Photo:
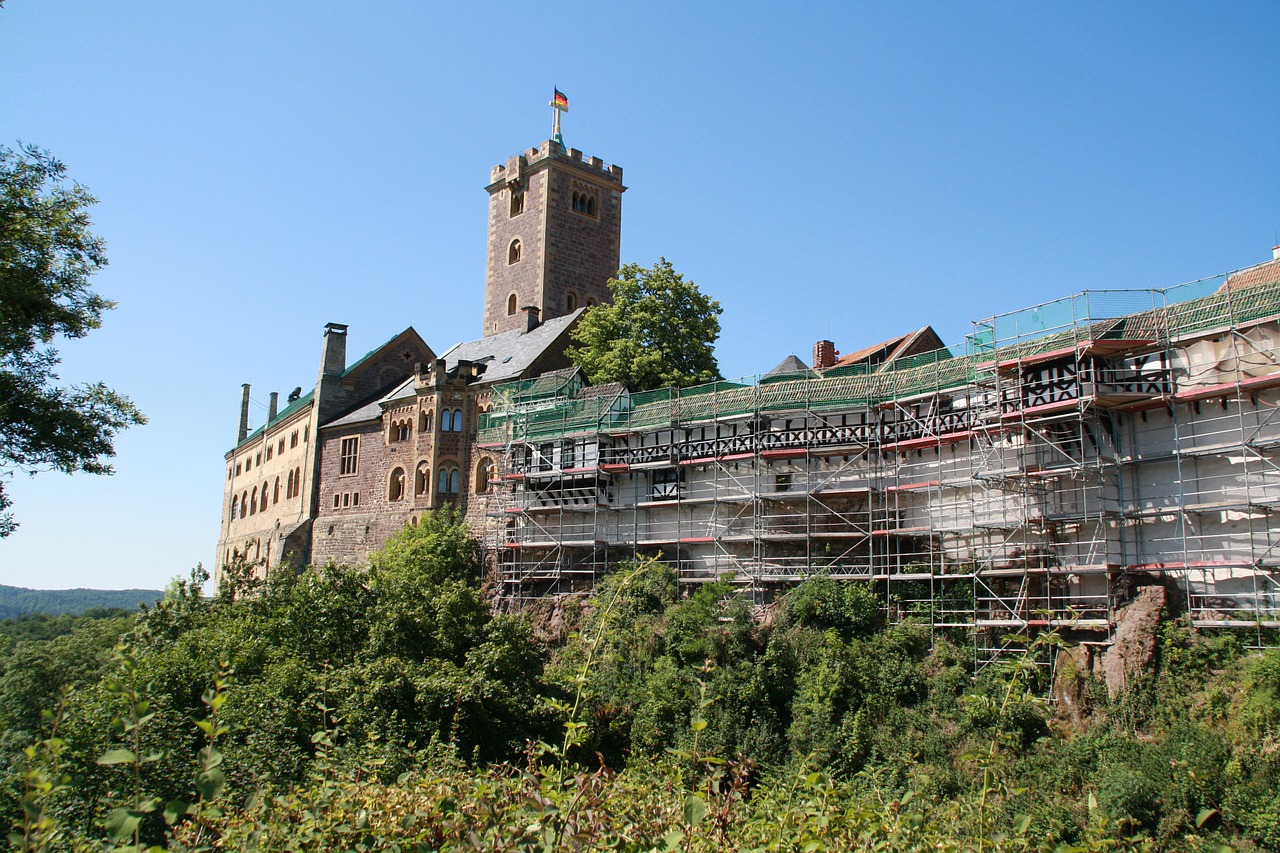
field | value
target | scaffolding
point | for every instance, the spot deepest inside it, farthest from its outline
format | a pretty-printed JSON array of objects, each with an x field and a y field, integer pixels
[{"x": 1024, "y": 479}]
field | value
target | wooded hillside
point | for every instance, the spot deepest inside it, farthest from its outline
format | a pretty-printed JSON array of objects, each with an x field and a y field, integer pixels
[{"x": 388, "y": 709}]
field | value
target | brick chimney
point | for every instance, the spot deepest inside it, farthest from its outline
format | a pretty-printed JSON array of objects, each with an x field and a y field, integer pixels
[
  {"x": 273, "y": 406},
  {"x": 335, "y": 350},
  {"x": 824, "y": 355},
  {"x": 531, "y": 313}
]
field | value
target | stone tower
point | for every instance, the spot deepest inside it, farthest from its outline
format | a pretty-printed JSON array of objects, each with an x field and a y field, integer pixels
[{"x": 555, "y": 220}]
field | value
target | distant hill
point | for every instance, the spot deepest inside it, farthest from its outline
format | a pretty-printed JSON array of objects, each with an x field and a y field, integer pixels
[{"x": 16, "y": 600}]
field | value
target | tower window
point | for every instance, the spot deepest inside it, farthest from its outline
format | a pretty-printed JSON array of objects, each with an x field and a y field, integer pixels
[
  {"x": 584, "y": 202},
  {"x": 511, "y": 305},
  {"x": 513, "y": 254},
  {"x": 517, "y": 203},
  {"x": 571, "y": 301}
]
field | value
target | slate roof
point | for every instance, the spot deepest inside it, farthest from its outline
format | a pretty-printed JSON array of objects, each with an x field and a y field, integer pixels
[
  {"x": 509, "y": 354},
  {"x": 372, "y": 410},
  {"x": 506, "y": 356},
  {"x": 788, "y": 366}
]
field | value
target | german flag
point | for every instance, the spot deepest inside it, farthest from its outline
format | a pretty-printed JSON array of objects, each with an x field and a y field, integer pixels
[{"x": 560, "y": 102}]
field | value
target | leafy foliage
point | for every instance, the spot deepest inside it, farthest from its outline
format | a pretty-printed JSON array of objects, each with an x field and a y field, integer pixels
[
  {"x": 47, "y": 255},
  {"x": 659, "y": 331},
  {"x": 387, "y": 708}
]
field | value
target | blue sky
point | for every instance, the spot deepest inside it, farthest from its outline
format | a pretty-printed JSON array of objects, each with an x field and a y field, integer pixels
[{"x": 838, "y": 170}]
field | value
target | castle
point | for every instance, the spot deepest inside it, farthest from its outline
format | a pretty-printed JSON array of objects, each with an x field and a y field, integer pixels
[
  {"x": 379, "y": 441},
  {"x": 1033, "y": 475}
]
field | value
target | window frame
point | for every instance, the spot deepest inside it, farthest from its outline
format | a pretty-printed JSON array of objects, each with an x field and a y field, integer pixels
[{"x": 349, "y": 461}]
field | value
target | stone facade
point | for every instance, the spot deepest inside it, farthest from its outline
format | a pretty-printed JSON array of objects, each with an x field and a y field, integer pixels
[{"x": 555, "y": 225}]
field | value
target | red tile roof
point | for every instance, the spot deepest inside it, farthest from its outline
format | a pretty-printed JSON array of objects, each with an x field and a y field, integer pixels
[
  {"x": 1264, "y": 273},
  {"x": 924, "y": 339}
]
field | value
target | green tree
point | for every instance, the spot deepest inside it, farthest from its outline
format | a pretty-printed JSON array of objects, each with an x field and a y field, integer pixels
[
  {"x": 47, "y": 254},
  {"x": 658, "y": 332}
]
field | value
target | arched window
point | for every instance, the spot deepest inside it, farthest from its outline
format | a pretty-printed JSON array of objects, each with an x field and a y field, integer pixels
[
  {"x": 235, "y": 507},
  {"x": 422, "y": 479},
  {"x": 591, "y": 300},
  {"x": 297, "y": 482},
  {"x": 244, "y": 503},
  {"x": 446, "y": 420},
  {"x": 513, "y": 254},
  {"x": 571, "y": 301},
  {"x": 454, "y": 481},
  {"x": 457, "y": 420},
  {"x": 275, "y": 492},
  {"x": 483, "y": 472},
  {"x": 517, "y": 203},
  {"x": 443, "y": 486},
  {"x": 511, "y": 305},
  {"x": 591, "y": 206},
  {"x": 426, "y": 421},
  {"x": 253, "y": 502},
  {"x": 395, "y": 489},
  {"x": 263, "y": 507},
  {"x": 288, "y": 487}
]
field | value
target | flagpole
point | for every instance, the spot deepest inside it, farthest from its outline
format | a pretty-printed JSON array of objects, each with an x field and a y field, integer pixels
[{"x": 555, "y": 124}]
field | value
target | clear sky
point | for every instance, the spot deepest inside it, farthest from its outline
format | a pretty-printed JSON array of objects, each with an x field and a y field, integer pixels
[{"x": 841, "y": 170}]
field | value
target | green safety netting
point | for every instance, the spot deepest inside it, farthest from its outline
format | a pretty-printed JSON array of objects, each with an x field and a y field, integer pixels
[{"x": 1138, "y": 315}]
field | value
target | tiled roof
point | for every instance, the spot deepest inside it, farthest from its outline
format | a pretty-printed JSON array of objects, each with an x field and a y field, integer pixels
[
  {"x": 1264, "y": 273},
  {"x": 894, "y": 348},
  {"x": 608, "y": 389}
]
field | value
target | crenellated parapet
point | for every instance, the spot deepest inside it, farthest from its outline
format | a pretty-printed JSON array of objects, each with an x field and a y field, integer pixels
[{"x": 514, "y": 171}]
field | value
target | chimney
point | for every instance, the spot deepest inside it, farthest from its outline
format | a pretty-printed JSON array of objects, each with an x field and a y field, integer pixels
[
  {"x": 531, "y": 313},
  {"x": 335, "y": 349},
  {"x": 244, "y": 413},
  {"x": 439, "y": 373},
  {"x": 1275, "y": 253},
  {"x": 273, "y": 406},
  {"x": 824, "y": 355}
]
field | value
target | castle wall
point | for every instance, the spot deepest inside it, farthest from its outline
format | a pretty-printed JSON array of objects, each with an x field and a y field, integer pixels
[
  {"x": 274, "y": 462},
  {"x": 357, "y": 513}
]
